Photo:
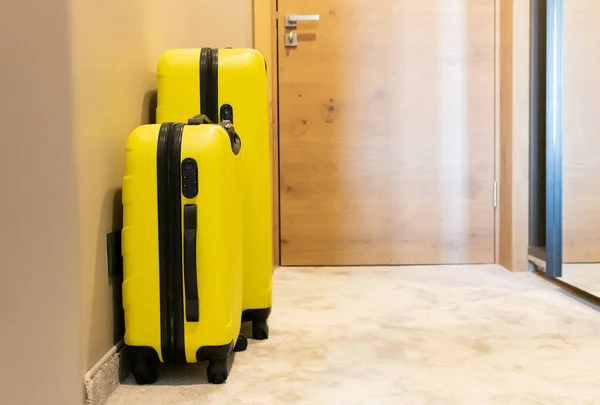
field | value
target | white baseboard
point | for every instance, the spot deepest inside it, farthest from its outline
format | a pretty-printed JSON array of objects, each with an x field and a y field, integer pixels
[{"x": 104, "y": 378}]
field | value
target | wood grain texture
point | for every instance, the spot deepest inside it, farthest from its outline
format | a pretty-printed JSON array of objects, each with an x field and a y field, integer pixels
[
  {"x": 513, "y": 120},
  {"x": 265, "y": 41},
  {"x": 581, "y": 140},
  {"x": 387, "y": 133},
  {"x": 497, "y": 39},
  {"x": 505, "y": 89},
  {"x": 520, "y": 137}
]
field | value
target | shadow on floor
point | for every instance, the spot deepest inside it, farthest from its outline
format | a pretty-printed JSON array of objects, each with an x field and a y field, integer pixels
[
  {"x": 182, "y": 374},
  {"x": 574, "y": 293}
]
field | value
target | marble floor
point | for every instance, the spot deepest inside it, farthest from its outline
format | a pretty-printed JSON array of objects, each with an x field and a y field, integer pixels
[{"x": 405, "y": 335}]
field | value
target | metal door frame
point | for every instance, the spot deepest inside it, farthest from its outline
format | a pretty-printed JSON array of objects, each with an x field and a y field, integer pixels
[{"x": 546, "y": 132}]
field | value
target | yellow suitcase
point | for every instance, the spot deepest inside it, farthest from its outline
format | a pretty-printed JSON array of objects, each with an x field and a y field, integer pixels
[
  {"x": 231, "y": 84},
  {"x": 182, "y": 243}
]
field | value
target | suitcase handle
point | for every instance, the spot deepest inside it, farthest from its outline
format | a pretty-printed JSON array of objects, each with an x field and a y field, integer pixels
[
  {"x": 190, "y": 225},
  {"x": 234, "y": 138},
  {"x": 199, "y": 120}
]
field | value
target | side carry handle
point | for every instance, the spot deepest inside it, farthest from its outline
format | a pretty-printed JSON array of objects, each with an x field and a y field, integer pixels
[
  {"x": 199, "y": 120},
  {"x": 190, "y": 225},
  {"x": 234, "y": 138}
]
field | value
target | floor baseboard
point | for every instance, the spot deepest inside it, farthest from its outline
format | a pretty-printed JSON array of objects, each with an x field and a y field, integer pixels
[{"x": 104, "y": 378}]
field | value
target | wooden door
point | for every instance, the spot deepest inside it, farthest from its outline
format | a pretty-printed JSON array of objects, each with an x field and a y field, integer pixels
[
  {"x": 387, "y": 132},
  {"x": 581, "y": 132}
]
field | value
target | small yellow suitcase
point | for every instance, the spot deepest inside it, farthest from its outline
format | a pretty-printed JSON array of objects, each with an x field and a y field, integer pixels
[
  {"x": 182, "y": 245},
  {"x": 231, "y": 84}
]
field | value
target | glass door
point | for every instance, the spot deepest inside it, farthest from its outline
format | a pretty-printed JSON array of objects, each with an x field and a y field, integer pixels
[
  {"x": 581, "y": 145},
  {"x": 565, "y": 141}
]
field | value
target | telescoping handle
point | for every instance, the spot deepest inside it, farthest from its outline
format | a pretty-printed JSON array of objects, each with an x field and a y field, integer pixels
[{"x": 190, "y": 225}]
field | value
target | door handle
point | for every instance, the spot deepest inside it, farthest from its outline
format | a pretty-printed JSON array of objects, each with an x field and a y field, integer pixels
[{"x": 291, "y": 20}]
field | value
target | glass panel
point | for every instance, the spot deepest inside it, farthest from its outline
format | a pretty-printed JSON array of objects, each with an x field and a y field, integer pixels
[{"x": 581, "y": 145}]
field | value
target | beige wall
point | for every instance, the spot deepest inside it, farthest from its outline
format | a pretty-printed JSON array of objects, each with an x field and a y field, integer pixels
[
  {"x": 193, "y": 23},
  {"x": 39, "y": 271},
  {"x": 76, "y": 81},
  {"x": 116, "y": 46},
  {"x": 110, "y": 82}
]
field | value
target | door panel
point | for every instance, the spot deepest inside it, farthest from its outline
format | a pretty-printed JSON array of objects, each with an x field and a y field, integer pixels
[
  {"x": 581, "y": 143},
  {"x": 387, "y": 133}
]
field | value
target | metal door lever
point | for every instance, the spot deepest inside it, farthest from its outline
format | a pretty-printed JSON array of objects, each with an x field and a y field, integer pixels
[{"x": 291, "y": 20}]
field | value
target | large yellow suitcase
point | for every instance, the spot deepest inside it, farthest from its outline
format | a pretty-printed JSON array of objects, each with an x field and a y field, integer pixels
[
  {"x": 182, "y": 245},
  {"x": 231, "y": 84}
]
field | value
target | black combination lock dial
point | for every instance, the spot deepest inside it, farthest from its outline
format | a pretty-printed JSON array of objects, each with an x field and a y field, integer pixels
[{"x": 189, "y": 178}]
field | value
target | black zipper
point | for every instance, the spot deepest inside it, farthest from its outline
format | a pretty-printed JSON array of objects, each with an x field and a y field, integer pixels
[
  {"x": 170, "y": 245},
  {"x": 214, "y": 86},
  {"x": 209, "y": 83},
  {"x": 205, "y": 66}
]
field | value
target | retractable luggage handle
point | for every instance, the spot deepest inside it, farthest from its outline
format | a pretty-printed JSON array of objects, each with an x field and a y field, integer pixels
[{"x": 190, "y": 270}]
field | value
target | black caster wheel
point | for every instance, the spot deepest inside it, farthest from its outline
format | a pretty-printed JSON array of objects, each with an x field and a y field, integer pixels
[
  {"x": 241, "y": 344},
  {"x": 217, "y": 371},
  {"x": 260, "y": 330},
  {"x": 144, "y": 369}
]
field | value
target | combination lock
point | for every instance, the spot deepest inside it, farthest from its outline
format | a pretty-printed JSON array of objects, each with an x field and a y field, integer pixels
[{"x": 189, "y": 178}]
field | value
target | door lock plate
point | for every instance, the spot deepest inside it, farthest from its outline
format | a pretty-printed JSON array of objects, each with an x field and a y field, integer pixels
[{"x": 291, "y": 39}]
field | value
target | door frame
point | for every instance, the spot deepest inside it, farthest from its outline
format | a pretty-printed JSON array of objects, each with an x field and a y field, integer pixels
[
  {"x": 511, "y": 126},
  {"x": 512, "y": 135},
  {"x": 265, "y": 41},
  {"x": 545, "y": 241}
]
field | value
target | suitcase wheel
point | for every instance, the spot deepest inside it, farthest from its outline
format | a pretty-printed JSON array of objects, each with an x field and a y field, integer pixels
[
  {"x": 217, "y": 371},
  {"x": 241, "y": 344},
  {"x": 260, "y": 330},
  {"x": 143, "y": 368}
]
